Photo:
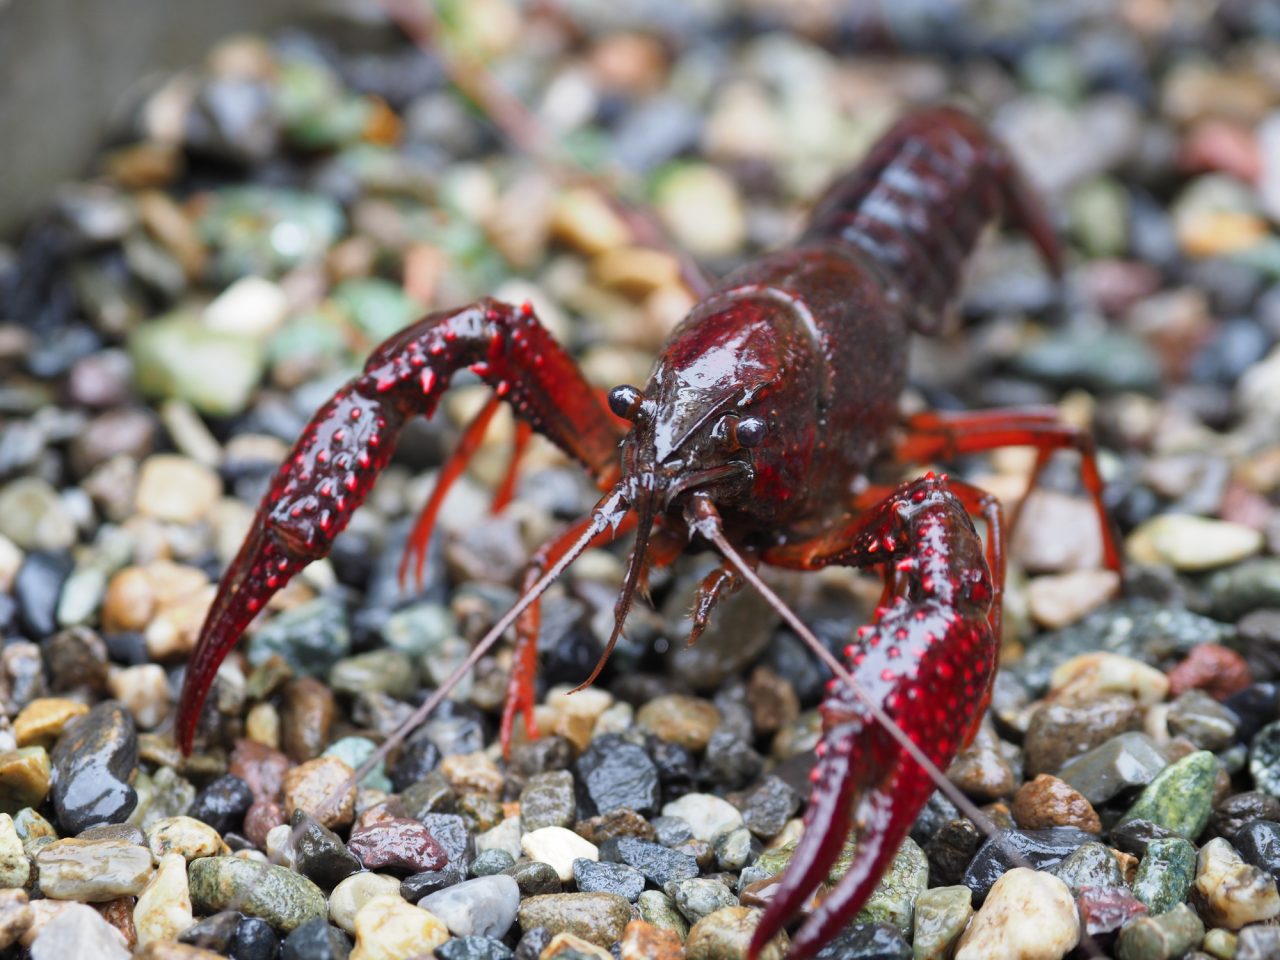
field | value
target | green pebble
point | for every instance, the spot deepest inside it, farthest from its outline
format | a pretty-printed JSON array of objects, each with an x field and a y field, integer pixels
[
  {"x": 172, "y": 357},
  {"x": 285, "y": 899},
  {"x": 1180, "y": 798},
  {"x": 419, "y": 628},
  {"x": 310, "y": 638},
  {"x": 490, "y": 862},
  {"x": 1160, "y": 938},
  {"x": 1165, "y": 874},
  {"x": 354, "y": 751},
  {"x": 1090, "y": 865},
  {"x": 894, "y": 899},
  {"x": 1244, "y": 587},
  {"x": 660, "y": 910},
  {"x": 1099, "y": 212},
  {"x": 378, "y": 307},
  {"x": 941, "y": 916},
  {"x": 378, "y": 671}
]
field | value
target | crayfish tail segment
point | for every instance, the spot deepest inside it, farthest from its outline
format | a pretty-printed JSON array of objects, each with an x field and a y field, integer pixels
[{"x": 918, "y": 202}]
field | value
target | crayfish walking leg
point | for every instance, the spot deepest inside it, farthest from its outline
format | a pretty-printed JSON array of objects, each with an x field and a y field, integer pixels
[{"x": 928, "y": 660}]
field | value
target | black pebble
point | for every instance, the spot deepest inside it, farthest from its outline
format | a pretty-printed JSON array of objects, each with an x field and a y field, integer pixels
[
  {"x": 222, "y": 804},
  {"x": 255, "y": 940},
  {"x": 1259, "y": 843},
  {"x": 316, "y": 940},
  {"x": 867, "y": 941},
  {"x": 37, "y": 587},
  {"x": 1041, "y": 848},
  {"x": 92, "y": 762}
]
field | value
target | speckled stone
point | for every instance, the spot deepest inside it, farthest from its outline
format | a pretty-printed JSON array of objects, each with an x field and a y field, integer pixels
[
  {"x": 185, "y": 835},
  {"x": 1181, "y": 797},
  {"x": 354, "y": 892},
  {"x": 726, "y": 934},
  {"x": 941, "y": 915},
  {"x": 275, "y": 894},
  {"x": 894, "y": 898},
  {"x": 1047, "y": 802},
  {"x": 1165, "y": 874},
  {"x": 599, "y": 918},
  {"x": 163, "y": 910},
  {"x": 309, "y": 787},
  {"x": 1161, "y": 937},
  {"x": 387, "y": 928}
]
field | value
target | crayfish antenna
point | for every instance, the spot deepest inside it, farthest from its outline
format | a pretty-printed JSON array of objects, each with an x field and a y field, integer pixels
[{"x": 635, "y": 568}]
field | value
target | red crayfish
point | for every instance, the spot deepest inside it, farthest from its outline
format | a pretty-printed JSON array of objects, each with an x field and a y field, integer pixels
[{"x": 755, "y": 435}]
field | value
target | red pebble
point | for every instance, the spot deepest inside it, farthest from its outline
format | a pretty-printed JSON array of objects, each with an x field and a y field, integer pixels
[
  {"x": 1213, "y": 668},
  {"x": 401, "y": 844},
  {"x": 260, "y": 819},
  {"x": 261, "y": 767},
  {"x": 1104, "y": 910}
]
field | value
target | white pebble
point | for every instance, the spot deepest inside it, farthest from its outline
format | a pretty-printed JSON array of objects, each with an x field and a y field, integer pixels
[
  {"x": 251, "y": 306},
  {"x": 163, "y": 910},
  {"x": 708, "y": 816},
  {"x": 1234, "y": 893},
  {"x": 558, "y": 847},
  {"x": 1028, "y": 915},
  {"x": 354, "y": 892}
]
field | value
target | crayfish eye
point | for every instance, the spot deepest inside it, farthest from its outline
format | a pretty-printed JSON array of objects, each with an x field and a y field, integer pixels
[
  {"x": 625, "y": 401},
  {"x": 750, "y": 431}
]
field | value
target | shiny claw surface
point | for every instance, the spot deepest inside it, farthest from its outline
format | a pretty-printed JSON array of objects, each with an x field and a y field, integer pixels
[{"x": 928, "y": 660}]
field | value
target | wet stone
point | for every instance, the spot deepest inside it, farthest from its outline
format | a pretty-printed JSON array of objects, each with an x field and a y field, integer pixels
[
  {"x": 768, "y": 806},
  {"x": 657, "y": 908},
  {"x": 185, "y": 835},
  {"x": 594, "y": 877},
  {"x": 940, "y": 917},
  {"x": 1049, "y": 802},
  {"x": 283, "y": 898},
  {"x": 311, "y": 787},
  {"x": 730, "y": 761},
  {"x": 92, "y": 870},
  {"x": 1059, "y": 732},
  {"x": 535, "y": 878},
  {"x": 1125, "y": 761},
  {"x": 473, "y": 948},
  {"x": 1180, "y": 798},
  {"x": 397, "y": 844},
  {"x": 311, "y": 638},
  {"x": 547, "y": 800},
  {"x": 223, "y": 803},
  {"x": 1092, "y": 865},
  {"x": 658, "y": 864},
  {"x": 1027, "y": 914},
  {"x": 255, "y": 940},
  {"x": 698, "y": 897},
  {"x": 1233, "y": 893},
  {"x": 708, "y": 816},
  {"x": 683, "y": 720},
  {"x": 1202, "y": 720},
  {"x": 1264, "y": 759},
  {"x": 483, "y": 907},
  {"x": 615, "y": 823},
  {"x": 951, "y": 849},
  {"x": 598, "y": 918},
  {"x": 451, "y": 833},
  {"x": 413, "y": 888},
  {"x": 1041, "y": 848},
  {"x": 1258, "y": 942},
  {"x": 619, "y": 775},
  {"x": 25, "y": 777},
  {"x": 867, "y": 941},
  {"x": 36, "y": 590},
  {"x": 492, "y": 861},
  {"x": 320, "y": 855},
  {"x": 1236, "y": 811},
  {"x": 92, "y": 763},
  {"x": 1165, "y": 874},
  {"x": 354, "y": 751},
  {"x": 726, "y": 934},
  {"x": 735, "y": 849},
  {"x": 1160, "y": 937},
  {"x": 78, "y": 931},
  {"x": 894, "y": 898}
]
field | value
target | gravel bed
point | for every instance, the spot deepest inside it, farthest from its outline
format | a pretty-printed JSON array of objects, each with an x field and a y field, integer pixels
[{"x": 255, "y": 224}]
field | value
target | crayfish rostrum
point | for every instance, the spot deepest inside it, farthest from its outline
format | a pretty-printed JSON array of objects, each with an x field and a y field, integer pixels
[{"x": 755, "y": 434}]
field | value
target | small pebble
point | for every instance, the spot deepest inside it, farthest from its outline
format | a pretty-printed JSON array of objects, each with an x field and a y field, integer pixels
[
  {"x": 387, "y": 928},
  {"x": 559, "y": 848},
  {"x": 1234, "y": 893},
  {"x": 1026, "y": 916}
]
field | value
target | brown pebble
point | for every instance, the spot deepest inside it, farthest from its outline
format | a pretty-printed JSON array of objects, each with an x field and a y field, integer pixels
[
  {"x": 616, "y": 823},
  {"x": 1049, "y": 802},
  {"x": 567, "y": 945},
  {"x": 1059, "y": 731},
  {"x": 119, "y": 913},
  {"x": 1213, "y": 668},
  {"x": 309, "y": 787},
  {"x": 1128, "y": 865},
  {"x": 307, "y": 718},
  {"x": 773, "y": 701},
  {"x": 980, "y": 769},
  {"x": 472, "y": 773},
  {"x": 261, "y": 767},
  {"x": 41, "y": 721},
  {"x": 643, "y": 941},
  {"x": 261, "y": 817},
  {"x": 676, "y": 718}
]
